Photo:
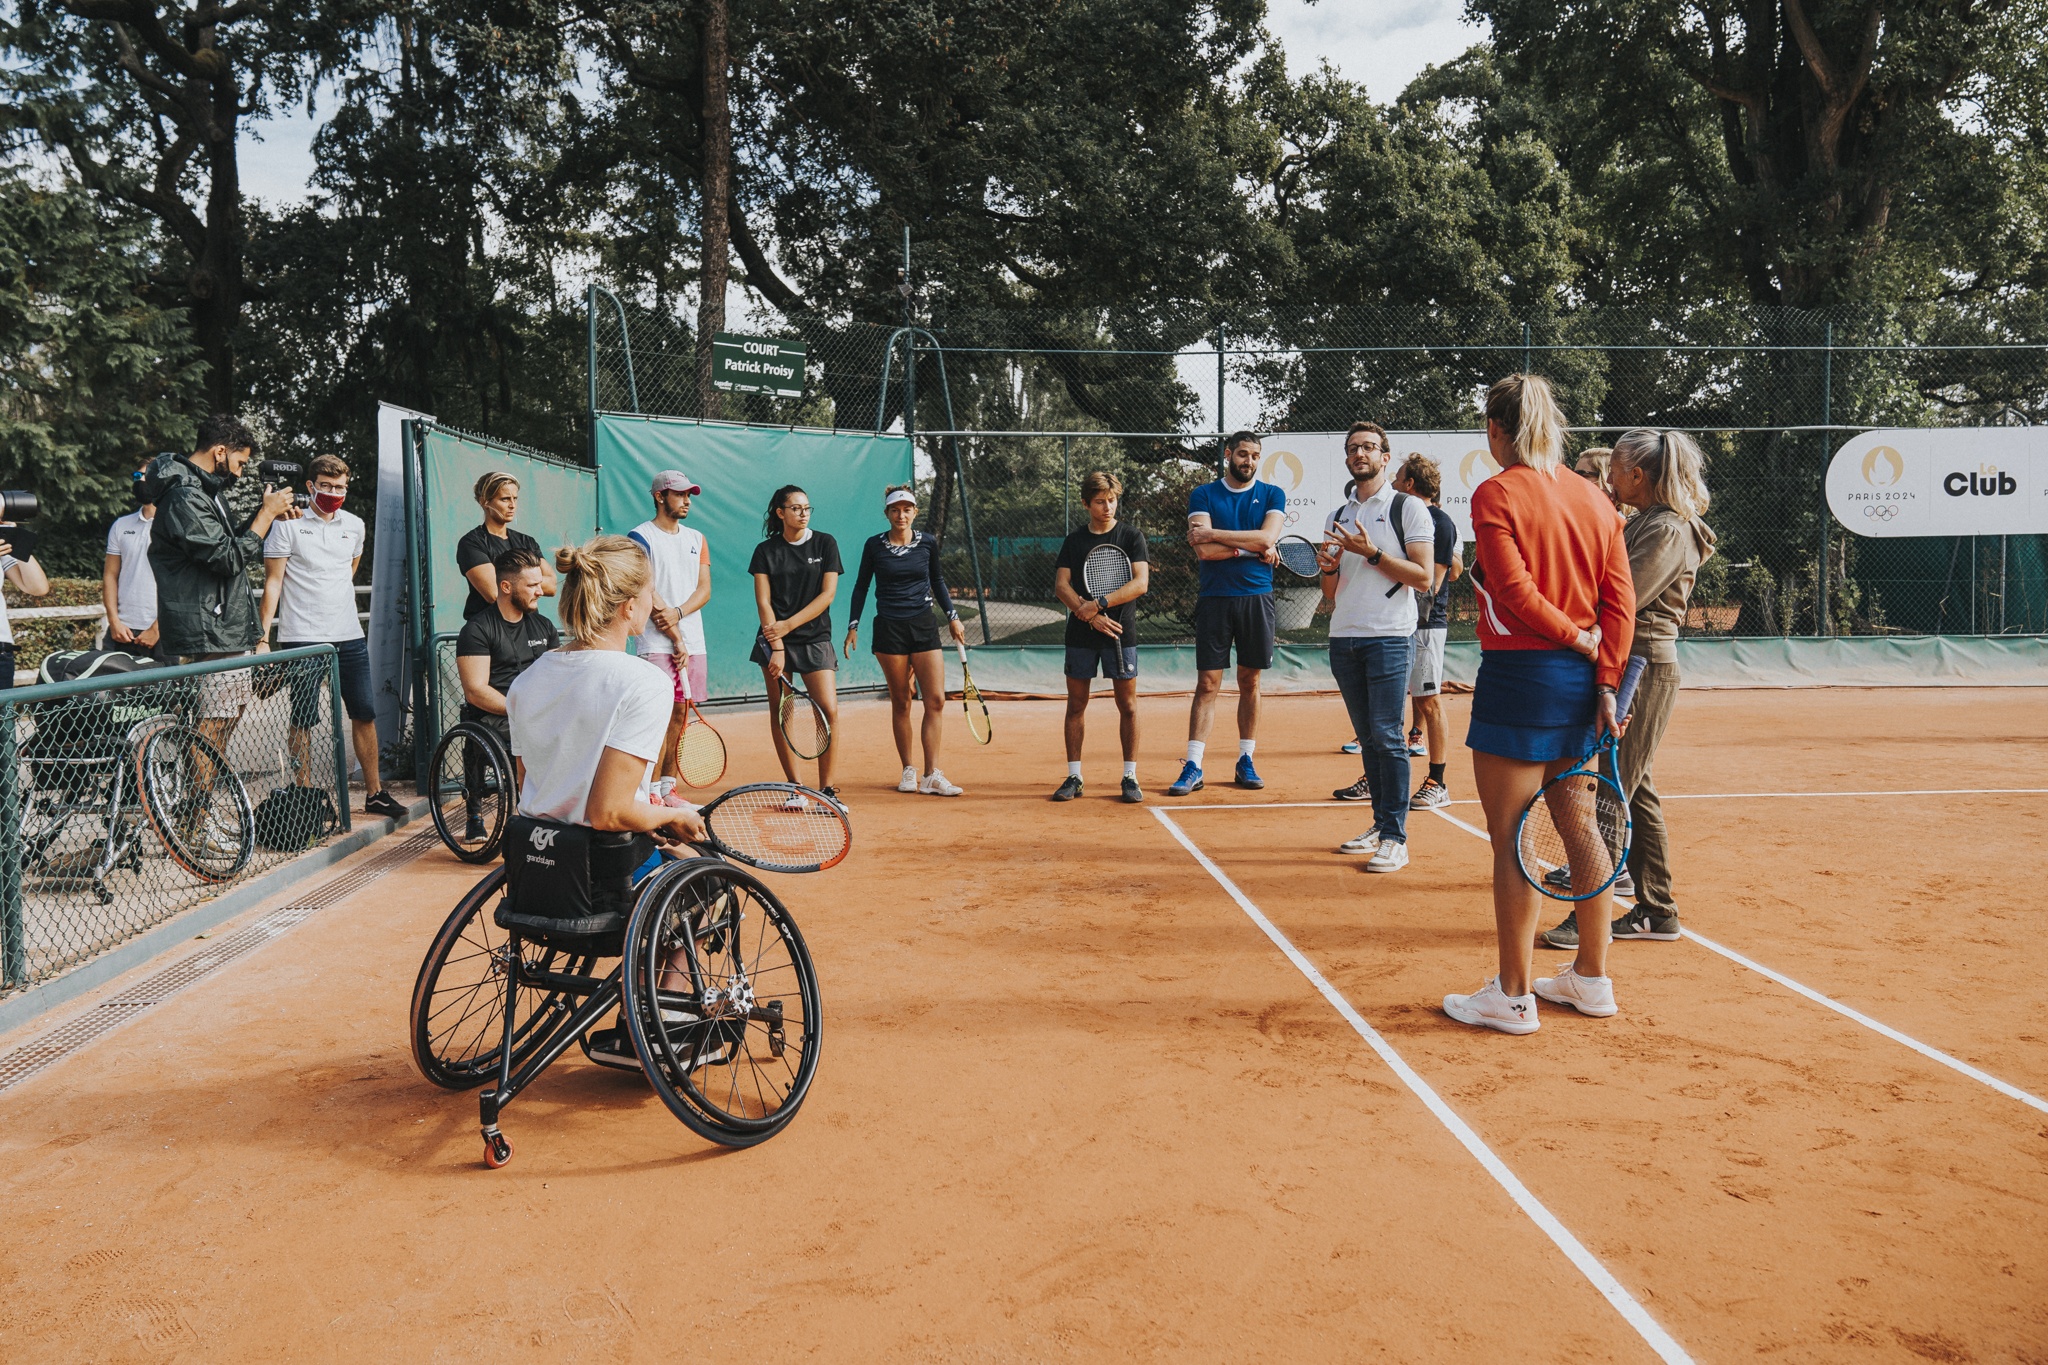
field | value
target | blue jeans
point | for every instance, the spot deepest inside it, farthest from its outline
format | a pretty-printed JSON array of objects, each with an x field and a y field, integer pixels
[{"x": 1372, "y": 673}]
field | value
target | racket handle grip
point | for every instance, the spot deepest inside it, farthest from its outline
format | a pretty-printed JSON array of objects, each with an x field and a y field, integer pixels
[{"x": 1625, "y": 695}]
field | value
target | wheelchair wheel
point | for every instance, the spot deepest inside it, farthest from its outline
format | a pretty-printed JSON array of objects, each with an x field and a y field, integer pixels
[
  {"x": 729, "y": 1040},
  {"x": 472, "y": 780},
  {"x": 195, "y": 802},
  {"x": 458, "y": 1002}
]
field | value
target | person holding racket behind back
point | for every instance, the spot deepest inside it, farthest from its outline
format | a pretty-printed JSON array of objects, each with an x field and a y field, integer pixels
[
  {"x": 796, "y": 570},
  {"x": 1661, "y": 475},
  {"x": 1101, "y": 571},
  {"x": 1556, "y": 614},
  {"x": 903, "y": 564}
]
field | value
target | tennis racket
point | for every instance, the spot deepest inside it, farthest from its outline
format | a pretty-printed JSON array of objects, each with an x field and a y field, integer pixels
[
  {"x": 801, "y": 720},
  {"x": 1579, "y": 820},
  {"x": 1105, "y": 570},
  {"x": 970, "y": 698},
  {"x": 1298, "y": 557},
  {"x": 700, "y": 749},
  {"x": 778, "y": 827}
]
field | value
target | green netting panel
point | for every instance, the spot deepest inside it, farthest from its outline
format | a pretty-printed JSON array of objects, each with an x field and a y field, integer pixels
[
  {"x": 557, "y": 506},
  {"x": 740, "y": 468}
]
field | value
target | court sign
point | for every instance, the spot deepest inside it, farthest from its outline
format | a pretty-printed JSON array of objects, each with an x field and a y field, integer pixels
[
  {"x": 744, "y": 364},
  {"x": 1308, "y": 466},
  {"x": 1950, "y": 481}
]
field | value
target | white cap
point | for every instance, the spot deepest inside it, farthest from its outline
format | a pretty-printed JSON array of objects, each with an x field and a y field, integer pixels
[{"x": 899, "y": 495}]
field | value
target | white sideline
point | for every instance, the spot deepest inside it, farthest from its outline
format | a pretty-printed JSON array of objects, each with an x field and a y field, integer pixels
[
  {"x": 1934, "y": 1054},
  {"x": 1666, "y": 796},
  {"x": 1588, "y": 1264}
]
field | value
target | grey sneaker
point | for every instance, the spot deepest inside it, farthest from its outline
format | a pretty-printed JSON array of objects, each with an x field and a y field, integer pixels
[
  {"x": 1641, "y": 923},
  {"x": 1565, "y": 935},
  {"x": 1069, "y": 789},
  {"x": 1131, "y": 791}
]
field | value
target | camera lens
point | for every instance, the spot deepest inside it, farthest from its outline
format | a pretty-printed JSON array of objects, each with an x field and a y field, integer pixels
[{"x": 19, "y": 505}]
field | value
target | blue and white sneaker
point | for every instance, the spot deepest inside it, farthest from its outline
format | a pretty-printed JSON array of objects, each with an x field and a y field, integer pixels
[
  {"x": 1247, "y": 775},
  {"x": 1351, "y": 748},
  {"x": 1190, "y": 780}
]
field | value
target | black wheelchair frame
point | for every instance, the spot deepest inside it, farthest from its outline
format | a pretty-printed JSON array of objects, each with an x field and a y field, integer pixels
[
  {"x": 471, "y": 778},
  {"x": 726, "y": 1028}
]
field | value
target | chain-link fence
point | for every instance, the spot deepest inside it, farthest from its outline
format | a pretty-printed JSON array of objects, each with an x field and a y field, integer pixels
[
  {"x": 1025, "y": 403},
  {"x": 126, "y": 800}
]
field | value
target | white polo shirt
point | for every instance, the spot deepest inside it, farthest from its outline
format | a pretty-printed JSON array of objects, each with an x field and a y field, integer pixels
[
  {"x": 317, "y": 604},
  {"x": 1364, "y": 609},
  {"x": 678, "y": 560},
  {"x": 135, "y": 586}
]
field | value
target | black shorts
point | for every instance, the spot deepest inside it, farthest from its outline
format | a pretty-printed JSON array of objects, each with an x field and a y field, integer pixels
[
  {"x": 357, "y": 697},
  {"x": 909, "y": 635},
  {"x": 815, "y": 656},
  {"x": 1247, "y": 622}
]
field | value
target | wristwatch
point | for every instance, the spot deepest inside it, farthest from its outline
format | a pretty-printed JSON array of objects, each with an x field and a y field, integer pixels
[
  {"x": 1375, "y": 557},
  {"x": 1102, "y": 604}
]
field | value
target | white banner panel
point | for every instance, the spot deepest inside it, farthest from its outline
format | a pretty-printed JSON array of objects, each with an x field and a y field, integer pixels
[
  {"x": 1309, "y": 467},
  {"x": 1949, "y": 481}
]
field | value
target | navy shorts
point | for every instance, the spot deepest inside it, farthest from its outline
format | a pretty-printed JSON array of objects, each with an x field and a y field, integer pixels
[
  {"x": 1246, "y": 622},
  {"x": 308, "y": 685},
  {"x": 1111, "y": 659}
]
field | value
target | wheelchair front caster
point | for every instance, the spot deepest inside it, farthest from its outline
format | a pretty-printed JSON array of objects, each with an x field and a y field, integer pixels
[{"x": 497, "y": 1150}]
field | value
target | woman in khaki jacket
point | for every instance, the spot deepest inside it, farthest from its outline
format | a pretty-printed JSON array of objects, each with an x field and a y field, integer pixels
[{"x": 1661, "y": 475}]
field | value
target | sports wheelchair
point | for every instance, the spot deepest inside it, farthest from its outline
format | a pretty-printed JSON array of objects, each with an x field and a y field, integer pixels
[
  {"x": 474, "y": 788},
  {"x": 706, "y": 967},
  {"x": 107, "y": 765}
]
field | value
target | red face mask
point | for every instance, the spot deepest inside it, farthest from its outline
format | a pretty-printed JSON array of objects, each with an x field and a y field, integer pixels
[{"x": 329, "y": 503}]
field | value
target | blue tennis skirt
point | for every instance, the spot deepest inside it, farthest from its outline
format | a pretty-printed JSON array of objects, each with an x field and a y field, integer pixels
[{"x": 1534, "y": 705}]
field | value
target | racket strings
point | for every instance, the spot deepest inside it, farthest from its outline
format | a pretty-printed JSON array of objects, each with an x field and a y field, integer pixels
[
  {"x": 700, "y": 753},
  {"x": 1105, "y": 570},
  {"x": 765, "y": 826},
  {"x": 1578, "y": 822},
  {"x": 1299, "y": 557},
  {"x": 804, "y": 725}
]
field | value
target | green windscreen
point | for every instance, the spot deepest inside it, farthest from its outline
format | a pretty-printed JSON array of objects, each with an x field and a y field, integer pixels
[
  {"x": 740, "y": 468},
  {"x": 557, "y": 506}
]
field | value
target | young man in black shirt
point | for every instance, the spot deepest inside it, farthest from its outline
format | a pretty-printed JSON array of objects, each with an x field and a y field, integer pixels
[
  {"x": 496, "y": 646},
  {"x": 1102, "y": 633}
]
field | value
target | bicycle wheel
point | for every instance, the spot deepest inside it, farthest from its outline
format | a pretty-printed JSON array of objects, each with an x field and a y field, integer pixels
[
  {"x": 471, "y": 778},
  {"x": 195, "y": 802},
  {"x": 730, "y": 1039},
  {"x": 458, "y": 1002}
]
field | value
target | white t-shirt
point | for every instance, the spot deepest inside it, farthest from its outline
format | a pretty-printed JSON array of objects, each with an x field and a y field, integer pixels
[
  {"x": 567, "y": 708},
  {"x": 1363, "y": 608},
  {"x": 317, "y": 604},
  {"x": 6, "y": 630},
  {"x": 135, "y": 586},
  {"x": 678, "y": 560}
]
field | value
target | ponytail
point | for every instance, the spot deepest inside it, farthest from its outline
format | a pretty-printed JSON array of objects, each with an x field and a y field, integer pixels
[
  {"x": 1523, "y": 406},
  {"x": 599, "y": 577},
  {"x": 1673, "y": 463}
]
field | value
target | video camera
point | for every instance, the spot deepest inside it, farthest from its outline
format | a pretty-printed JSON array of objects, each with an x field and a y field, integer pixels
[
  {"x": 17, "y": 505},
  {"x": 285, "y": 474}
]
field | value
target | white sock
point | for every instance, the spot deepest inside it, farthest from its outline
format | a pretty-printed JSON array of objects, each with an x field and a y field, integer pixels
[
  {"x": 1131, "y": 770},
  {"x": 1073, "y": 770},
  {"x": 1195, "y": 750},
  {"x": 1245, "y": 747}
]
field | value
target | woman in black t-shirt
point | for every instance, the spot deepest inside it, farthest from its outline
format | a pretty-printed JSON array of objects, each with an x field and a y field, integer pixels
[
  {"x": 903, "y": 565},
  {"x": 796, "y": 570},
  {"x": 476, "y": 554}
]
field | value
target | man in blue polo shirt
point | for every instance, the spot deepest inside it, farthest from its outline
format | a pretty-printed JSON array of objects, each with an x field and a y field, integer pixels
[{"x": 1233, "y": 524}]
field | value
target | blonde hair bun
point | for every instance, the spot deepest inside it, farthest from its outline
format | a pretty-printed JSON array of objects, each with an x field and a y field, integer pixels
[{"x": 599, "y": 577}]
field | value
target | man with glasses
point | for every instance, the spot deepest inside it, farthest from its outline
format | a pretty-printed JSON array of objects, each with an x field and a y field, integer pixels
[{"x": 309, "y": 570}]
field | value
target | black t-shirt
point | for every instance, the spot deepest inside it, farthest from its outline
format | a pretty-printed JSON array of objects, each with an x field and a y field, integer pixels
[
  {"x": 796, "y": 575},
  {"x": 480, "y": 547},
  {"x": 1434, "y": 613},
  {"x": 1073, "y": 555},
  {"x": 510, "y": 645}
]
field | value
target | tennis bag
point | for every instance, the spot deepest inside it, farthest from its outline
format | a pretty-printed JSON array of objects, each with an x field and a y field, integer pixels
[
  {"x": 294, "y": 818},
  {"x": 569, "y": 885},
  {"x": 69, "y": 665}
]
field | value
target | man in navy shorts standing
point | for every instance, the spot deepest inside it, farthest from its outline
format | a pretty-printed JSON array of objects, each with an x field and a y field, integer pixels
[{"x": 1233, "y": 523}]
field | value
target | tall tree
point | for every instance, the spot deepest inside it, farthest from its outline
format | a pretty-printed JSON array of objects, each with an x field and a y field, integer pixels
[{"x": 717, "y": 195}]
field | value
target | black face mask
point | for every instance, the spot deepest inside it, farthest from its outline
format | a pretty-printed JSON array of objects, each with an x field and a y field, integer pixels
[{"x": 139, "y": 493}]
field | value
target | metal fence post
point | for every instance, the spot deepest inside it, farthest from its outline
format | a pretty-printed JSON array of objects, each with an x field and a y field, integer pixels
[
  {"x": 1222, "y": 423},
  {"x": 336, "y": 719},
  {"x": 1067, "y": 485},
  {"x": 1527, "y": 350},
  {"x": 13, "y": 940},
  {"x": 1827, "y": 419}
]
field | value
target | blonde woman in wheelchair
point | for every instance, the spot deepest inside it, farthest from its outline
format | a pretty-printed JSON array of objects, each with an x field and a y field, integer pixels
[{"x": 588, "y": 719}]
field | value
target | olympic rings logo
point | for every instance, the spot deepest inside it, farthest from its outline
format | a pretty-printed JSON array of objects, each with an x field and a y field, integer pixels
[{"x": 1881, "y": 511}]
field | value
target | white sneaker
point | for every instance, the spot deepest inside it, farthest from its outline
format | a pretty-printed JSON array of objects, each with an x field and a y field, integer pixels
[
  {"x": 1592, "y": 995},
  {"x": 1491, "y": 1007},
  {"x": 1390, "y": 856},
  {"x": 907, "y": 782},
  {"x": 1364, "y": 843},
  {"x": 796, "y": 805},
  {"x": 935, "y": 784}
]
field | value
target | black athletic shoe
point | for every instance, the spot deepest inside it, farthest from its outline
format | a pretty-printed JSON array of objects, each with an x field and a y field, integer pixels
[
  {"x": 1069, "y": 789},
  {"x": 1360, "y": 790},
  {"x": 1131, "y": 792},
  {"x": 383, "y": 803},
  {"x": 611, "y": 1047},
  {"x": 473, "y": 832},
  {"x": 1646, "y": 924},
  {"x": 1565, "y": 935}
]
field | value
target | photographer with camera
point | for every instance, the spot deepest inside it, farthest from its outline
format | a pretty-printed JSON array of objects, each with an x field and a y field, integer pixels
[
  {"x": 309, "y": 589},
  {"x": 18, "y": 565},
  {"x": 201, "y": 559}
]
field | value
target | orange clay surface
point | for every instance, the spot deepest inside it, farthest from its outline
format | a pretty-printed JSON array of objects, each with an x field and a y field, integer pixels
[{"x": 1073, "y": 1104}]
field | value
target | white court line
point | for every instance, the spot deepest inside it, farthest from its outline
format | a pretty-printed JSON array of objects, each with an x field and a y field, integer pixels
[
  {"x": 1664, "y": 796},
  {"x": 1589, "y": 1265},
  {"x": 1933, "y": 1054}
]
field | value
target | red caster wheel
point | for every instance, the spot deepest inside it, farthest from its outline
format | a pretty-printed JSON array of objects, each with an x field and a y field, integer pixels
[{"x": 497, "y": 1150}]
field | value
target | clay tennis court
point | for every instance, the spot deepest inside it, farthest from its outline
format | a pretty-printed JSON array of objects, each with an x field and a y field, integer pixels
[{"x": 1077, "y": 1102}]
